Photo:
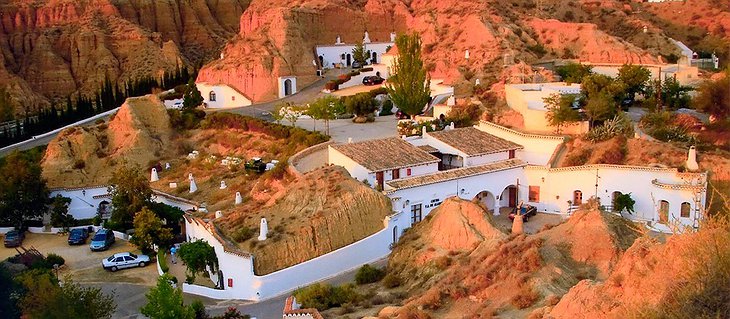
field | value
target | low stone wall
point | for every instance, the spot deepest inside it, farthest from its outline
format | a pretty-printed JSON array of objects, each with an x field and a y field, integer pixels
[{"x": 299, "y": 162}]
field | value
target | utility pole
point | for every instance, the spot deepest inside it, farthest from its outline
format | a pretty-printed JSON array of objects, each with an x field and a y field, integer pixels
[{"x": 597, "y": 178}]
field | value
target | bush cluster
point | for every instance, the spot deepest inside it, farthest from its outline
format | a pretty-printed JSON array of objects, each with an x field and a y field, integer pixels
[
  {"x": 368, "y": 274},
  {"x": 323, "y": 296},
  {"x": 162, "y": 260}
]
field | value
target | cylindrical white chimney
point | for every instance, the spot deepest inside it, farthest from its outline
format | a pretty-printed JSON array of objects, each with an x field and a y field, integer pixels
[
  {"x": 264, "y": 230},
  {"x": 692, "y": 159},
  {"x": 154, "y": 177}
]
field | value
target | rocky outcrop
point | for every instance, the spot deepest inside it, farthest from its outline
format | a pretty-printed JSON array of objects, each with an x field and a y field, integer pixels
[
  {"x": 81, "y": 156},
  {"x": 51, "y": 49},
  {"x": 317, "y": 213}
]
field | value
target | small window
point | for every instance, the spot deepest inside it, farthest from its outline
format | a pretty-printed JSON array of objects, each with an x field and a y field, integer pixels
[
  {"x": 127, "y": 258},
  {"x": 534, "y": 195},
  {"x": 416, "y": 213},
  {"x": 233, "y": 98},
  {"x": 511, "y": 153},
  {"x": 408, "y": 172},
  {"x": 119, "y": 259},
  {"x": 684, "y": 212},
  {"x": 663, "y": 211},
  {"x": 211, "y": 96}
]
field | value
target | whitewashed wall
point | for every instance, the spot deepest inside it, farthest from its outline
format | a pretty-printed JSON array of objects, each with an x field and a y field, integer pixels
[
  {"x": 333, "y": 53},
  {"x": 558, "y": 184},
  {"x": 494, "y": 183},
  {"x": 83, "y": 204},
  {"x": 356, "y": 170},
  {"x": 225, "y": 96},
  {"x": 538, "y": 149},
  {"x": 246, "y": 285}
]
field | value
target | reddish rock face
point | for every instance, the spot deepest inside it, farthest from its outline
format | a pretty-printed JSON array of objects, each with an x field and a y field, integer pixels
[{"x": 52, "y": 49}]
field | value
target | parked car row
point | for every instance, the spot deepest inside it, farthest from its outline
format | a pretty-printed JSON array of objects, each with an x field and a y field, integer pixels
[{"x": 103, "y": 239}]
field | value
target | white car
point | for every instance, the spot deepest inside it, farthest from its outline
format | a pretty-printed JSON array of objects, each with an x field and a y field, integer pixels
[{"x": 125, "y": 260}]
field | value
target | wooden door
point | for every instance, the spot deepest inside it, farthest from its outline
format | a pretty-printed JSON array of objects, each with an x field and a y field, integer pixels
[
  {"x": 512, "y": 196},
  {"x": 577, "y": 198},
  {"x": 396, "y": 173},
  {"x": 379, "y": 178},
  {"x": 663, "y": 212}
]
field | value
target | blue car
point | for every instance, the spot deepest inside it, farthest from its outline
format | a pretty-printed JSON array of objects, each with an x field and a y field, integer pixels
[{"x": 103, "y": 239}]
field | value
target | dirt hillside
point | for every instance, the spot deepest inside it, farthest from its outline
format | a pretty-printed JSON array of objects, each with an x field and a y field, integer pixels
[
  {"x": 310, "y": 216},
  {"x": 519, "y": 274},
  {"x": 82, "y": 156}
]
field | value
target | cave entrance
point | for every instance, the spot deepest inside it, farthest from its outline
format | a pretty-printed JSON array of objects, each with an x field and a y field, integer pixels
[
  {"x": 287, "y": 87},
  {"x": 375, "y": 58}
]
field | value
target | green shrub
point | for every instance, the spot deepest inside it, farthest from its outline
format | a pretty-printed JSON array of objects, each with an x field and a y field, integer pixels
[
  {"x": 242, "y": 234},
  {"x": 619, "y": 125},
  {"x": 323, "y": 296},
  {"x": 387, "y": 108},
  {"x": 391, "y": 281},
  {"x": 368, "y": 69},
  {"x": 378, "y": 91},
  {"x": 53, "y": 259},
  {"x": 368, "y": 274}
]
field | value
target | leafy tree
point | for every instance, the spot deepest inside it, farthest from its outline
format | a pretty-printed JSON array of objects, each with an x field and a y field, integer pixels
[
  {"x": 360, "y": 104},
  {"x": 23, "y": 191},
  {"x": 59, "y": 212},
  {"x": 634, "y": 78},
  {"x": 624, "y": 201},
  {"x": 166, "y": 302},
  {"x": 600, "y": 108},
  {"x": 560, "y": 110},
  {"x": 714, "y": 98},
  {"x": 130, "y": 193},
  {"x": 45, "y": 298},
  {"x": 409, "y": 84},
  {"x": 574, "y": 72},
  {"x": 673, "y": 95},
  {"x": 149, "y": 230},
  {"x": 192, "y": 97},
  {"x": 599, "y": 84},
  {"x": 280, "y": 111},
  {"x": 9, "y": 293},
  {"x": 463, "y": 115},
  {"x": 198, "y": 256},
  {"x": 326, "y": 108},
  {"x": 359, "y": 54}
]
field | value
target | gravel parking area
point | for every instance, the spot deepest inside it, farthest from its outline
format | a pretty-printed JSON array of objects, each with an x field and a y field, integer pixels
[{"x": 83, "y": 265}]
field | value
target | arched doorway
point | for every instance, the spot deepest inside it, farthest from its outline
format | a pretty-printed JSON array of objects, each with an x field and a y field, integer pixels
[
  {"x": 104, "y": 209},
  {"x": 577, "y": 198},
  {"x": 663, "y": 211},
  {"x": 211, "y": 96},
  {"x": 374, "y": 60},
  {"x": 395, "y": 234},
  {"x": 487, "y": 199},
  {"x": 287, "y": 87},
  {"x": 508, "y": 198},
  {"x": 349, "y": 59}
]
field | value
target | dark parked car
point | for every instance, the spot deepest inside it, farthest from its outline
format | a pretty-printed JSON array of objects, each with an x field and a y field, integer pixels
[
  {"x": 372, "y": 80},
  {"x": 526, "y": 212},
  {"x": 103, "y": 239},
  {"x": 356, "y": 65},
  {"x": 14, "y": 238},
  {"x": 78, "y": 236}
]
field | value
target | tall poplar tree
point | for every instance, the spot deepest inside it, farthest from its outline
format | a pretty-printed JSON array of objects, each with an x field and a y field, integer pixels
[{"x": 409, "y": 83}]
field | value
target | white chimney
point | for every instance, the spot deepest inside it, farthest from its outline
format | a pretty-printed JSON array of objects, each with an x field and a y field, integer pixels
[
  {"x": 223, "y": 185},
  {"x": 154, "y": 177},
  {"x": 424, "y": 131},
  {"x": 452, "y": 126},
  {"x": 692, "y": 159},
  {"x": 239, "y": 199},
  {"x": 477, "y": 82},
  {"x": 167, "y": 166},
  {"x": 466, "y": 55},
  {"x": 451, "y": 101},
  {"x": 218, "y": 214},
  {"x": 193, "y": 187},
  {"x": 349, "y": 140},
  {"x": 264, "y": 230},
  {"x": 392, "y": 37},
  {"x": 339, "y": 40},
  {"x": 366, "y": 39}
]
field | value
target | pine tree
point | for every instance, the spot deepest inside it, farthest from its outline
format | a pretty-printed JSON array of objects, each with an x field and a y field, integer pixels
[{"x": 192, "y": 97}]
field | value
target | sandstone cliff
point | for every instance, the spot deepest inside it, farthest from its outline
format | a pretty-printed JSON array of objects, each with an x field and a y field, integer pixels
[
  {"x": 51, "y": 49},
  {"x": 82, "y": 156},
  {"x": 315, "y": 214}
]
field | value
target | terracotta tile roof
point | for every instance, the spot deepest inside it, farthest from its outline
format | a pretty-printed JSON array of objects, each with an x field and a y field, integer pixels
[
  {"x": 453, "y": 174},
  {"x": 473, "y": 141},
  {"x": 428, "y": 148},
  {"x": 384, "y": 154}
]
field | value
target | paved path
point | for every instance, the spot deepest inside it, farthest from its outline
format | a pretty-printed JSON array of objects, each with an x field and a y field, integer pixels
[{"x": 341, "y": 130}]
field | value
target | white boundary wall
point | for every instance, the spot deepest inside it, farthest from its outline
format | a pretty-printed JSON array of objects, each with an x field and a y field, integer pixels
[
  {"x": 538, "y": 149},
  {"x": 238, "y": 267}
]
